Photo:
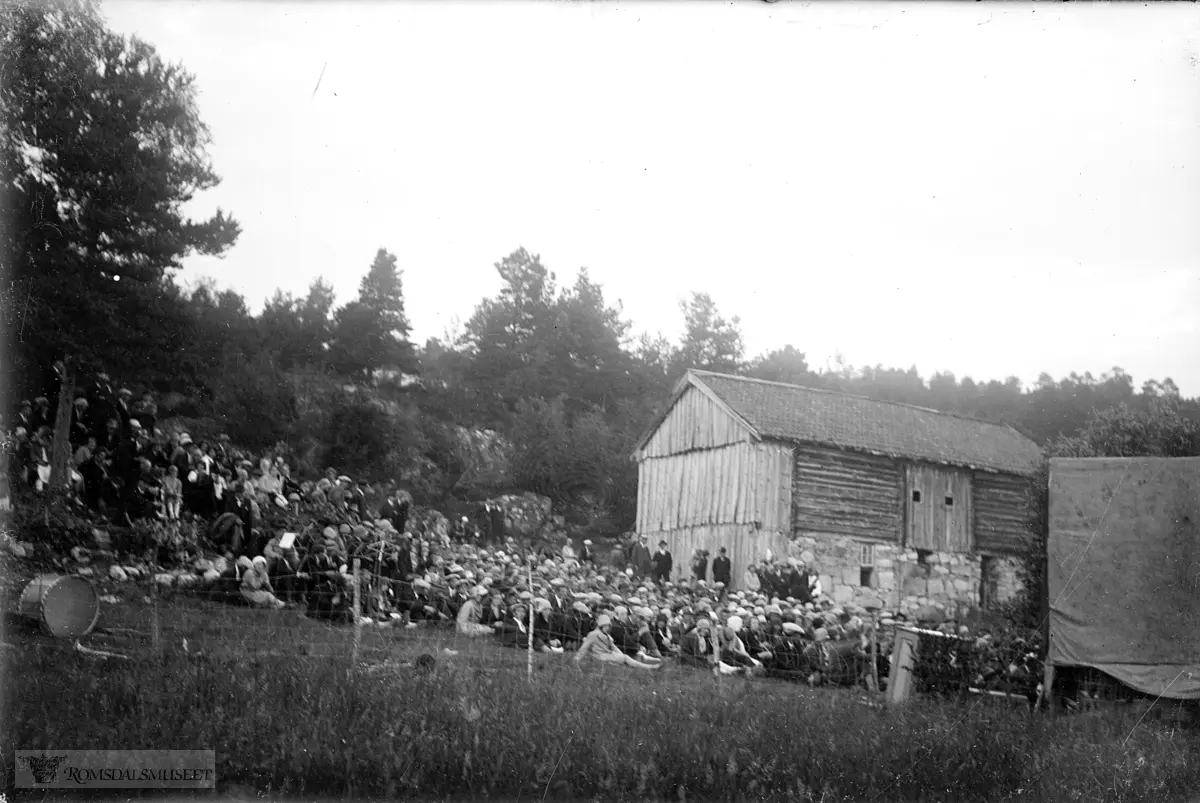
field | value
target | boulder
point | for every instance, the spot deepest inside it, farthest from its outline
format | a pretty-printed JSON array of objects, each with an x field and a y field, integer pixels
[
  {"x": 929, "y": 615},
  {"x": 211, "y": 576},
  {"x": 164, "y": 579},
  {"x": 84, "y": 571},
  {"x": 101, "y": 538},
  {"x": 117, "y": 574},
  {"x": 869, "y": 602},
  {"x": 524, "y": 514}
]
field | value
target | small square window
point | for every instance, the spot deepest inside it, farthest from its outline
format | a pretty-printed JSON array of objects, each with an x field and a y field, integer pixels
[
  {"x": 916, "y": 496},
  {"x": 866, "y": 555},
  {"x": 866, "y": 577},
  {"x": 949, "y": 501}
]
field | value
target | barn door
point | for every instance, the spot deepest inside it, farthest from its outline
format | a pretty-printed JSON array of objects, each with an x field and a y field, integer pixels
[
  {"x": 921, "y": 508},
  {"x": 938, "y": 509}
]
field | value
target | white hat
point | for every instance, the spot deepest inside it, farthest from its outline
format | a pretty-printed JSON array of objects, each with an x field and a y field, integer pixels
[
  {"x": 602, "y": 620},
  {"x": 734, "y": 623},
  {"x": 792, "y": 627}
]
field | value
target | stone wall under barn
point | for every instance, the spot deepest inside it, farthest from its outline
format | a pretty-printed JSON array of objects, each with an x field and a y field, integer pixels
[{"x": 902, "y": 580}]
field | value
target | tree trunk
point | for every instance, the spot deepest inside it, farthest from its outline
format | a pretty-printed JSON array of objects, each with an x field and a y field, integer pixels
[{"x": 60, "y": 459}]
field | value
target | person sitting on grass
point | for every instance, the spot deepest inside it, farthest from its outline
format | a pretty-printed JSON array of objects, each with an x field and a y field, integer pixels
[
  {"x": 256, "y": 586},
  {"x": 425, "y": 605},
  {"x": 698, "y": 647},
  {"x": 733, "y": 651},
  {"x": 469, "y": 615},
  {"x": 513, "y": 631},
  {"x": 283, "y": 566},
  {"x": 664, "y": 639},
  {"x": 493, "y": 611},
  {"x": 599, "y": 645},
  {"x": 545, "y": 628}
]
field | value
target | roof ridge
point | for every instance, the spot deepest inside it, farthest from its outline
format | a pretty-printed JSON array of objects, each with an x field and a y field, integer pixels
[{"x": 856, "y": 396}]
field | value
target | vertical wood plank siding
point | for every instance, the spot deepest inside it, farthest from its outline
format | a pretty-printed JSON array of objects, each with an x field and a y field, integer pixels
[
  {"x": 932, "y": 524},
  {"x": 695, "y": 422},
  {"x": 851, "y": 493},
  {"x": 737, "y": 496},
  {"x": 1000, "y": 512}
]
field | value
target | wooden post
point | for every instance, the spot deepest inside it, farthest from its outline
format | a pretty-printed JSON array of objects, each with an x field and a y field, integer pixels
[
  {"x": 529, "y": 651},
  {"x": 154, "y": 625},
  {"x": 357, "y": 605},
  {"x": 874, "y": 674},
  {"x": 60, "y": 456}
]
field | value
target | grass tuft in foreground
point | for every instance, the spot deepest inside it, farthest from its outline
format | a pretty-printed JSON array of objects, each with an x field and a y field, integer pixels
[{"x": 307, "y": 727}]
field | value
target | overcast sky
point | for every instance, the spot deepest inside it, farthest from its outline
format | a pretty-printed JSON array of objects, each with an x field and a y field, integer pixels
[{"x": 988, "y": 189}]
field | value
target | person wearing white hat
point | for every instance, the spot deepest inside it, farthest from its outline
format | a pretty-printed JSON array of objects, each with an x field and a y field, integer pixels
[
  {"x": 256, "y": 585},
  {"x": 600, "y": 646}
]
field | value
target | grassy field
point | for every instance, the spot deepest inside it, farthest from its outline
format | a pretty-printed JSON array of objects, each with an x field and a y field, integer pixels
[{"x": 277, "y": 697}]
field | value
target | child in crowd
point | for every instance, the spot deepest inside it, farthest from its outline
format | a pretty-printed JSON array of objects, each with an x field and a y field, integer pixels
[{"x": 172, "y": 493}]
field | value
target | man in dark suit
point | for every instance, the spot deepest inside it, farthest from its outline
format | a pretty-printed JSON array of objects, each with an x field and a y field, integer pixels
[
  {"x": 721, "y": 568},
  {"x": 640, "y": 557},
  {"x": 395, "y": 510},
  {"x": 662, "y": 563}
]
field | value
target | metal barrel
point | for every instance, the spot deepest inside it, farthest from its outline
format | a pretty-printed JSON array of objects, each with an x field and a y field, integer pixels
[{"x": 65, "y": 607}]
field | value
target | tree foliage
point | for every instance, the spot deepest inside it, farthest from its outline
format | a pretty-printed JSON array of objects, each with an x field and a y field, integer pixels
[
  {"x": 102, "y": 146},
  {"x": 101, "y": 149},
  {"x": 371, "y": 333}
]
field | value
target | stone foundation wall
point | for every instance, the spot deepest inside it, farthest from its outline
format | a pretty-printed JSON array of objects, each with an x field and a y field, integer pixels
[{"x": 946, "y": 582}]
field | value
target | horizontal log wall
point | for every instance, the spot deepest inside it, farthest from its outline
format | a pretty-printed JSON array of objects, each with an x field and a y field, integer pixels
[
  {"x": 695, "y": 422},
  {"x": 744, "y": 483},
  {"x": 844, "y": 492},
  {"x": 999, "y": 512}
]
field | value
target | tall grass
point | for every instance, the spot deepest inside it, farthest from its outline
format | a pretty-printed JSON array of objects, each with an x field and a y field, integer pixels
[{"x": 312, "y": 728}]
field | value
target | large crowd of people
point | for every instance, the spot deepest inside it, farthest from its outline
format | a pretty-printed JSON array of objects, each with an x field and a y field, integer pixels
[{"x": 420, "y": 570}]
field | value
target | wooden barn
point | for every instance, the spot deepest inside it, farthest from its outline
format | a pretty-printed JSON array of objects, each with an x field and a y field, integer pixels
[{"x": 853, "y": 485}]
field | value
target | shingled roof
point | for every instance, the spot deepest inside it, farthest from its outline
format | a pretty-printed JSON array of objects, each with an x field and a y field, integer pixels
[{"x": 777, "y": 411}]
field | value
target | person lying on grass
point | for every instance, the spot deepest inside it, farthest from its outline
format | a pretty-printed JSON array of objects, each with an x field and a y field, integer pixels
[{"x": 599, "y": 646}]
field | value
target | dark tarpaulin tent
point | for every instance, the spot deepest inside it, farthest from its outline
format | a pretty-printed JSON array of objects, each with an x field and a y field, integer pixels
[{"x": 1123, "y": 570}]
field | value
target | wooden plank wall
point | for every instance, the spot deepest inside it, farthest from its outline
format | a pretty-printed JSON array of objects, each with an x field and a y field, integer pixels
[
  {"x": 737, "y": 496},
  {"x": 695, "y": 422},
  {"x": 746, "y": 546},
  {"x": 931, "y": 523},
  {"x": 999, "y": 512},
  {"x": 846, "y": 492},
  {"x": 744, "y": 483}
]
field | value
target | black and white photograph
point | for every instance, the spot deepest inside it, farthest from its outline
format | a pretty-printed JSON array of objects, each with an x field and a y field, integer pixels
[{"x": 600, "y": 400}]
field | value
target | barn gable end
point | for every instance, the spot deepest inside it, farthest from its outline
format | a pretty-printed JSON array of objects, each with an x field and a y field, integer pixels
[{"x": 696, "y": 420}]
